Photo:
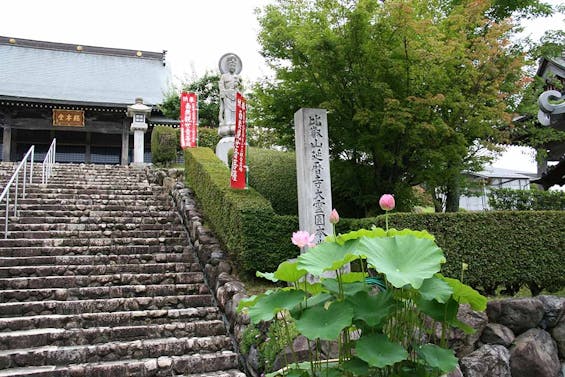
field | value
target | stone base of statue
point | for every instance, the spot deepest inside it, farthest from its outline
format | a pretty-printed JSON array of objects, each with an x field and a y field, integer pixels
[
  {"x": 224, "y": 147},
  {"x": 226, "y": 130}
]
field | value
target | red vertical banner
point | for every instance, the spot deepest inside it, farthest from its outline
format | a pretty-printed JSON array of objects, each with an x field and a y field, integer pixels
[
  {"x": 238, "y": 179},
  {"x": 188, "y": 120}
]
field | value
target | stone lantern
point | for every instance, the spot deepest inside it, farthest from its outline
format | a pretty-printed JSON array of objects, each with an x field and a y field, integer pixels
[{"x": 139, "y": 112}]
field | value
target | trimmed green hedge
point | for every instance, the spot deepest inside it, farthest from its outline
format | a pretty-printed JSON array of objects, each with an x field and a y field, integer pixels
[
  {"x": 273, "y": 174},
  {"x": 501, "y": 248},
  {"x": 243, "y": 220},
  {"x": 511, "y": 249}
]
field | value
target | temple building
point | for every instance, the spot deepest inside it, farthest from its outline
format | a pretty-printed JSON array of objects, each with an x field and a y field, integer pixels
[
  {"x": 552, "y": 114},
  {"x": 78, "y": 95}
]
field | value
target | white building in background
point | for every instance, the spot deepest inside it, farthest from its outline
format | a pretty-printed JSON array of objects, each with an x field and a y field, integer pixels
[{"x": 492, "y": 178}]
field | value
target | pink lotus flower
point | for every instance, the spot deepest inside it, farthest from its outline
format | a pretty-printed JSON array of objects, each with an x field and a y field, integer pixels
[
  {"x": 302, "y": 238},
  {"x": 387, "y": 202},
  {"x": 334, "y": 217}
]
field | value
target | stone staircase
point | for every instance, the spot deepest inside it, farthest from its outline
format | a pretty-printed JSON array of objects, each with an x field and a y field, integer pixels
[{"x": 98, "y": 278}]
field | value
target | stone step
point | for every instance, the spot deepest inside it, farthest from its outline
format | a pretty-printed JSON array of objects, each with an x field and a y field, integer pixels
[
  {"x": 11, "y": 251},
  {"x": 95, "y": 234},
  {"x": 171, "y": 218},
  {"x": 57, "y": 242},
  {"x": 90, "y": 336},
  {"x": 90, "y": 213},
  {"x": 111, "y": 351},
  {"x": 98, "y": 193},
  {"x": 126, "y": 201},
  {"x": 12, "y": 309},
  {"x": 101, "y": 280},
  {"x": 106, "y": 183},
  {"x": 93, "y": 192},
  {"x": 204, "y": 364},
  {"x": 113, "y": 319},
  {"x": 91, "y": 227},
  {"x": 112, "y": 259},
  {"x": 100, "y": 269},
  {"x": 25, "y": 208},
  {"x": 90, "y": 293}
]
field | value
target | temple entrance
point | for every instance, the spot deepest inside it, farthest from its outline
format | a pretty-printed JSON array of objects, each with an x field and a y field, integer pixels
[{"x": 75, "y": 146}]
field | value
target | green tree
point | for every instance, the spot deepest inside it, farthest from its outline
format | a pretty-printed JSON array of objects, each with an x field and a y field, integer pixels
[
  {"x": 206, "y": 87},
  {"x": 412, "y": 87}
]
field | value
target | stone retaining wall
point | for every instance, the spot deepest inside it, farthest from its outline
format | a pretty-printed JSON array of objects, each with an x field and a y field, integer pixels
[
  {"x": 514, "y": 337},
  {"x": 218, "y": 268}
]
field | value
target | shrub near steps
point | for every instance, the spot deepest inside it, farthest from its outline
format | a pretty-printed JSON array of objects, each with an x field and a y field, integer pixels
[{"x": 97, "y": 277}]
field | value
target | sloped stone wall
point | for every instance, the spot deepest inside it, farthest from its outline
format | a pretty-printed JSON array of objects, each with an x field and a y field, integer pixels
[
  {"x": 523, "y": 337},
  {"x": 218, "y": 268}
]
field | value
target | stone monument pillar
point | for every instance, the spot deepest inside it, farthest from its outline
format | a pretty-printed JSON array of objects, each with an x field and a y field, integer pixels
[
  {"x": 313, "y": 172},
  {"x": 139, "y": 112},
  {"x": 230, "y": 83}
]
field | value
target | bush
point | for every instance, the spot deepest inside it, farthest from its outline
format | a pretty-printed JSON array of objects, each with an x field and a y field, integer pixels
[
  {"x": 243, "y": 220},
  {"x": 164, "y": 145},
  {"x": 523, "y": 200},
  {"x": 512, "y": 249},
  {"x": 208, "y": 137},
  {"x": 273, "y": 174}
]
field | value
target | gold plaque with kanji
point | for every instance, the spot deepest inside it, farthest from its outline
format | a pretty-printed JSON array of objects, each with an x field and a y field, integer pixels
[{"x": 68, "y": 118}]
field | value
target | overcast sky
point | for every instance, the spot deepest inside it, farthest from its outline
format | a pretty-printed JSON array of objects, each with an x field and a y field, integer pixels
[{"x": 195, "y": 33}]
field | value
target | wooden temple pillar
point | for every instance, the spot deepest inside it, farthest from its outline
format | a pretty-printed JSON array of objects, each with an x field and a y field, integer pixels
[
  {"x": 87, "y": 151},
  {"x": 7, "y": 144},
  {"x": 125, "y": 143}
]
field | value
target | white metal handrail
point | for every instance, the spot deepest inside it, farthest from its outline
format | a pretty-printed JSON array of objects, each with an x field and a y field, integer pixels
[
  {"x": 48, "y": 162},
  {"x": 14, "y": 180}
]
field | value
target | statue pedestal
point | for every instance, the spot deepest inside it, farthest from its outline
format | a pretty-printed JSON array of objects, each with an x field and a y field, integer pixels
[{"x": 224, "y": 147}]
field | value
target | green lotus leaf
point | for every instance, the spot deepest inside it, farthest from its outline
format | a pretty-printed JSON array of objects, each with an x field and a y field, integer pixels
[
  {"x": 317, "y": 322},
  {"x": 403, "y": 259},
  {"x": 435, "y": 289},
  {"x": 356, "y": 234},
  {"x": 247, "y": 302},
  {"x": 318, "y": 299},
  {"x": 356, "y": 366},
  {"x": 267, "y": 275},
  {"x": 324, "y": 257},
  {"x": 268, "y": 305},
  {"x": 442, "y": 312},
  {"x": 349, "y": 289},
  {"x": 464, "y": 294},
  {"x": 373, "y": 310},
  {"x": 314, "y": 288},
  {"x": 378, "y": 351},
  {"x": 409, "y": 232},
  {"x": 437, "y": 357},
  {"x": 289, "y": 272},
  {"x": 352, "y": 277}
]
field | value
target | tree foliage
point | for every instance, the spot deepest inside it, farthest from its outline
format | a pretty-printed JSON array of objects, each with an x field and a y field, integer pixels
[
  {"x": 206, "y": 87},
  {"x": 411, "y": 86}
]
